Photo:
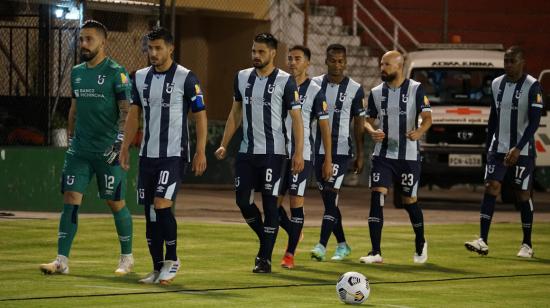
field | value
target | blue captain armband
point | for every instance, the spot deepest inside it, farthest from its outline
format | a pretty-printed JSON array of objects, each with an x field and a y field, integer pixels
[{"x": 198, "y": 103}]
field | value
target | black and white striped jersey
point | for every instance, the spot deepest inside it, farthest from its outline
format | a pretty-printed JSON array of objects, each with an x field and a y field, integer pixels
[
  {"x": 398, "y": 110},
  {"x": 515, "y": 109},
  {"x": 265, "y": 105},
  {"x": 166, "y": 98},
  {"x": 345, "y": 101},
  {"x": 314, "y": 107}
]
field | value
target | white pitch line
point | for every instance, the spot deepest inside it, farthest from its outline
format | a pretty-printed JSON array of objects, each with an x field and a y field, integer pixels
[{"x": 106, "y": 287}]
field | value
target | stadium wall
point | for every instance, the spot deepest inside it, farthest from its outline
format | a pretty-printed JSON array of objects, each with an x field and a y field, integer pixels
[{"x": 30, "y": 176}]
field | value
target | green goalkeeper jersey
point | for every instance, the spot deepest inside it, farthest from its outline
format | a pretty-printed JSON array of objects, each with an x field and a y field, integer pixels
[{"x": 97, "y": 91}]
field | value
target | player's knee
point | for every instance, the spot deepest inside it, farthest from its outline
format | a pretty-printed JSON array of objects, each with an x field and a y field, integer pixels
[
  {"x": 382, "y": 190},
  {"x": 523, "y": 196},
  {"x": 492, "y": 188},
  {"x": 72, "y": 197},
  {"x": 408, "y": 200},
  {"x": 296, "y": 202},
  {"x": 116, "y": 205},
  {"x": 161, "y": 203}
]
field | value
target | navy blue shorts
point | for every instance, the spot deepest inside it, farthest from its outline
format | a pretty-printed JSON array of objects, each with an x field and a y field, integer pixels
[
  {"x": 339, "y": 167},
  {"x": 295, "y": 184},
  {"x": 159, "y": 177},
  {"x": 385, "y": 171},
  {"x": 522, "y": 172},
  {"x": 259, "y": 172}
]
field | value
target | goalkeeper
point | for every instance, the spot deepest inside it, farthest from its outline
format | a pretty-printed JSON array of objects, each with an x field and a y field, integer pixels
[{"x": 101, "y": 91}]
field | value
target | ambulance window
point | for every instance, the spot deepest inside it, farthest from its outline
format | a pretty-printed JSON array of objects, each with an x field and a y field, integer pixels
[{"x": 457, "y": 86}]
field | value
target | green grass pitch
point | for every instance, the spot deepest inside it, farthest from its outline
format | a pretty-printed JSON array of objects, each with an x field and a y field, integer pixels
[{"x": 218, "y": 258}]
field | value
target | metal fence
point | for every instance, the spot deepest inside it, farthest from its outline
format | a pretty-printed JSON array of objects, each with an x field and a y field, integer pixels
[{"x": 37, "y": 52}]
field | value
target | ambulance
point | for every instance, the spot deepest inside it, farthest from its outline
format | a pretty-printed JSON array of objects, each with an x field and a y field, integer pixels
[{"x": 457, "y": 80}]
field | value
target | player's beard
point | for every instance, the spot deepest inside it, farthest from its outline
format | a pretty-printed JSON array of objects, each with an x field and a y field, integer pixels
[
  {"x": 259, "y": 64},
  {"x": 89, "y": 56},
  {"x": 388, "y": 77}
]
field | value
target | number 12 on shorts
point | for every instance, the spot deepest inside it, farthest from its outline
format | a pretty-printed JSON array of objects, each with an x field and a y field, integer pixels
[{"x": 109, "y": 181}]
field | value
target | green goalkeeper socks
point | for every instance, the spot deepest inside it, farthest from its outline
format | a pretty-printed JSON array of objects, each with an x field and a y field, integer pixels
[
  {"x": 68, "y": 224},
  {"x": 123, "y": 223}
]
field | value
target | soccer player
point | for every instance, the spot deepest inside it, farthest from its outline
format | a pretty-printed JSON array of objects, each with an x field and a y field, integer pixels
[
  {"x": 396, "y": 103},
  {"x": 101, "y": 92},
  {"x": 264, "y": 95},
  {"x": 165, "y": 92},
  {"x": 314, "y": 109},
  {"x": 513, "y": 121},
  {"x": 345, "y": 99}
]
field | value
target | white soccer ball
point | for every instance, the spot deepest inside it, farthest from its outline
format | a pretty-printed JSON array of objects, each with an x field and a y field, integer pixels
[{"x": 353, "y": 288}]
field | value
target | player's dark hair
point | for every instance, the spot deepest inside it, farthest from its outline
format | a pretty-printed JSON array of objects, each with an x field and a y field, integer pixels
[
  {"x": 268, "y": 39},
  {"x": 160, "y": 33},
  {"x": 94, "y": 24},
  {"x": 515, "y": 51},
  {"x": 304, "y": 49},
  {"x": 336, "y": 48}
]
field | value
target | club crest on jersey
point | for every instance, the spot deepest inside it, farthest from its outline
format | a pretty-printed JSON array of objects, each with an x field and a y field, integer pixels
[
  {"x": 342, "y": 97},
  {"x": 101, "y": 79},
  {"x": 490, "y": 168},
  {"x": 404, "y": 98},
  {"x": 270, "y": 88},
  {"x": 517, "y": 94},
  {"x": 70, "y": 179},
  {"x": 169, "y": 87},
  {"x": 302, "y": 99},
  {"x": 123, "y": 78}
]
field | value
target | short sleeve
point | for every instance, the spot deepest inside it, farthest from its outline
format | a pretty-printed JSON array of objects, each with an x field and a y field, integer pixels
[
  {"x": 193, "y": 94},
  {"x": 535, "y": 96},
  {"x": 291, "y": 99},
  {"x": 320, "y": 106},
  {"x": 372, "y": 112},
  {"x": 422, "y": 101},
  {"x": 237, "y": 96},
  {"x": 136, "y": 99},
  {"x": 357, "y": 105},
  {"x": 122, "y": 84}
]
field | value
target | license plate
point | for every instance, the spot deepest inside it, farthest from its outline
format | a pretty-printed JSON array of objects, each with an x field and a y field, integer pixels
[{"x": 464, "y": 160}]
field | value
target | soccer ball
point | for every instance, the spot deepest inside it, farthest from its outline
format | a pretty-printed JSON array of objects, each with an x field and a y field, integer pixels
[{"x": 353, "y": 288}]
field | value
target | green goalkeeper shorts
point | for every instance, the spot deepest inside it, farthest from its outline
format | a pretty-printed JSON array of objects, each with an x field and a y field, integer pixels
[{"x": 80, "y": 167}]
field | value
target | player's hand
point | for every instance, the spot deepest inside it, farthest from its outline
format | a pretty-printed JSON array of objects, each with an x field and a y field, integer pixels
[
  {"x": 327, "y": 169},
  {"x": 358, "y": 164},
  {"x": 199, "y": 163},
  {"x": 414, "y": 135},
  {"x": 124, "y": 159},
  {"x": 377, "y": 135},
  {"x": 297, "y": 163},
  {"x": 220, "y": 153},
  {"x": 112, "y": 153},
  {"x": 511, "y": 157}
]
